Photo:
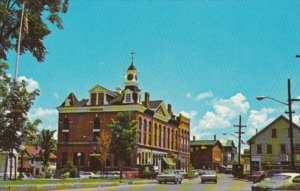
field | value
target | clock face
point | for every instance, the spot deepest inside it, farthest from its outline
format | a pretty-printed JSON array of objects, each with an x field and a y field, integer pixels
[
  {"x": 129, "y": 77},
  {"x": 136, "y": 78}
]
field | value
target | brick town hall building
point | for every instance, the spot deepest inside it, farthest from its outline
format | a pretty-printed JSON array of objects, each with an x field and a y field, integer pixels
[{"x": 163, "y": 137}]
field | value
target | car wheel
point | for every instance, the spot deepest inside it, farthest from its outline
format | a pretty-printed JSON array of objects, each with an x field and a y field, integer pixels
[
  {"x": 175, "y": 182},
  {"x": 159, "y": 182},
  {"x": 180, "y": 181},
  {"x": 202, "y": 181}
]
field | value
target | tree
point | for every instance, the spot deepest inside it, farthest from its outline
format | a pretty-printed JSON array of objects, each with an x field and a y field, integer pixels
[
  {"x": 35, "y": 12},
  {"x": 104, "y": 141},
  {"x": 15, "y": 107},
  {"x": 47, "y": 144},
  {"x": 124, "y": 137},
  {"x": 31, "y": 132}
]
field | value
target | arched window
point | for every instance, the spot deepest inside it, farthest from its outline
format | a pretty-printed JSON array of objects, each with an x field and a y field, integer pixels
[
  {"x": 150, "y": 134},
  {"x": 145, "y": 132},
  {"x": 155, "y": 134},
  {"x": 159, "y": 135},
  {"x": 140, "y": 130}
]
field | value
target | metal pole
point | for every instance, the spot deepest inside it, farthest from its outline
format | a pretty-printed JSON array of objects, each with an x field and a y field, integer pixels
[
  {"x": 19, "y": 41},
  {"x": 290, "y": 124}
]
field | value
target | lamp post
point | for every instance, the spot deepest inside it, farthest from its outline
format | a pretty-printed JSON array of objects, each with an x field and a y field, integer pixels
[
  {"x": 22, "y": 148},
  {"x": 289, "y": 104},
  {"x": 78, "y": 165}
]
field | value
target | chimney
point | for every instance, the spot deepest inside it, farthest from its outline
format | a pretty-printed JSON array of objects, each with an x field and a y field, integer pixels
[
  {"x": 147, "y": 99},
  {"x": 170, "y": 109},
  {"x": 194, "y": 138},
  {"x": 215, "y": 137}
]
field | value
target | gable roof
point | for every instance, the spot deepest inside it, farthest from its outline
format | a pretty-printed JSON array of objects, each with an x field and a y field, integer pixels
[
  {"x": 103, "y": 88},
  {"x": 71, "y": 100},
  {"x": 281, "y": 117},
  {"x": 227, "y": 143}
]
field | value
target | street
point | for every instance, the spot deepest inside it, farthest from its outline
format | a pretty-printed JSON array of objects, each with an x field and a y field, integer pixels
[{"x": 225, "y": 183}]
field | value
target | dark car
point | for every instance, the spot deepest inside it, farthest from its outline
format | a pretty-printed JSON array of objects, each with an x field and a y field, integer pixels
[
  {"x": 282, "y": 181},
  {"x": 256, "y": 176}
]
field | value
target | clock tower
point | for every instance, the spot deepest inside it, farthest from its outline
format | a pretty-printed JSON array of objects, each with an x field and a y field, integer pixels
[{"x": 132, "y": 91}]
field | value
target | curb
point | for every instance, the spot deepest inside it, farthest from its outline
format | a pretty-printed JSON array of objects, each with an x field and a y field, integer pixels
[{"x": 69, "y": 186}]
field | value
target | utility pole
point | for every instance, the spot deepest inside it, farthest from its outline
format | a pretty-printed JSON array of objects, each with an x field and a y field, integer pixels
[
  {"x": 291, "y": 134},
  {"x": 239, "y": 137}
]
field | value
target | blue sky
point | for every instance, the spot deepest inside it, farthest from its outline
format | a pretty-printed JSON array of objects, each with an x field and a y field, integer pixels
[{"x": 208, "y": 58}]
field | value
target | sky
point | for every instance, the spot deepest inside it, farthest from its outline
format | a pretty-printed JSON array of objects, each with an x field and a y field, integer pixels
[{"x": 210, "y": 59}]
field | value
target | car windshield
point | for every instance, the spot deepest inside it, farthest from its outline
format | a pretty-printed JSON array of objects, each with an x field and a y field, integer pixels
[
  {"x": 278, "y": 178},
  {"x": 209, "y": 172},
  {"x": 168, "y": 172}
]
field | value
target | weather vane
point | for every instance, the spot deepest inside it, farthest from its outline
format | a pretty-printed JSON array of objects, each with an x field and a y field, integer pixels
[{"x": 132, "y": 56}]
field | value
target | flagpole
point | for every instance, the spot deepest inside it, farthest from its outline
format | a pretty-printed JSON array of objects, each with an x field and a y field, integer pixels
[{"x": 19, "y": 41}]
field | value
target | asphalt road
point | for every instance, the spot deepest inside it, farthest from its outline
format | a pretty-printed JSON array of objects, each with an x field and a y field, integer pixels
[{"x": 225, "y": 183}]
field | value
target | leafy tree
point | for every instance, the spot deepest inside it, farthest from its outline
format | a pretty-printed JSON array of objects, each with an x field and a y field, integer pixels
[
  {"x": 32, "y": 132},
  {"x": 35, "y": 12},
  {"x": 124, "y": 137},
  {"x": 15, "y": 107},
  {"x": 104, "y": 141},
  {"x": 47, "y": 144}
]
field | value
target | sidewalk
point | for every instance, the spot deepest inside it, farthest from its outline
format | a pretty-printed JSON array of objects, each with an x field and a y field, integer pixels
[{"x": 43, "y": 187}]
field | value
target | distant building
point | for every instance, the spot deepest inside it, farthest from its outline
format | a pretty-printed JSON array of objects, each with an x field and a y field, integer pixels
[
  {"x": 206, "y": 154},
  {"x": 229, "y": 151},
  {"x": 163, "y": 137},
  {"x": 245, "y": 160},
  {"x": 32, "y": 160},
  {"x": 270, "y": 147}
]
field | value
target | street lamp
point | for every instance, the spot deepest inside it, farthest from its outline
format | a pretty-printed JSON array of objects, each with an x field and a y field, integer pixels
[
  {"x": 289, "y": 104},
  {"x": 78, "y": 165}
]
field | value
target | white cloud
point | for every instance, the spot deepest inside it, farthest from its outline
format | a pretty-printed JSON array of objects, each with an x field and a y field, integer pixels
[
  {"x": 204, "y": 95},
  {"x": 56, "y": 96},
  {"x": 188, "y": 95},
  {"x": 49, "y": 117},
  {"x": 30, "y": 83},
  {"x": 190, "y": 114},
  {"x": 225, "y": 111},
  {"x": 259, "y": 119}
]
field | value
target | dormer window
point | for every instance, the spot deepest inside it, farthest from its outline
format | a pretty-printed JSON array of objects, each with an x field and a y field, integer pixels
[
  {"x": 93, "y": 98},
  {"x": 128, "y": 98}
]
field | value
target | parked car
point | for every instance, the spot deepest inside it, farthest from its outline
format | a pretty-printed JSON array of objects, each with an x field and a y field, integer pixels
[
  {"x": 281, "y": 181},
  {"x": 209, "y": 176},
  {"x": 256, "y": 176},
  {"x": 169, "y": 176},
  {"x": 261, "y": 175},
  {"x": 88, "y": 175},
  {"x": 111, "y": 174}
]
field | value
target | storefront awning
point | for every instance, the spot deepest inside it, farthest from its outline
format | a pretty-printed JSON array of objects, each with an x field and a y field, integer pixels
[{"x": 168, "y": 161}]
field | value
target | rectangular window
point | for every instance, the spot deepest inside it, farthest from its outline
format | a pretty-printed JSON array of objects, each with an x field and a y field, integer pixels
[
  {"x": 100, "y": 99},
  {"x": 274, "y": 133},
  {"x": 93, "y": 98},
  {"x": 128, "y": 98},
  {"x": 282, "y": 149},
  {"x": 259, "y": 149},
  {"x": 65, "y": 137},
  {"x": 64, "y": 158},
  {"x": 269, "y": 149},
  {"x": 95, "y": 135}
]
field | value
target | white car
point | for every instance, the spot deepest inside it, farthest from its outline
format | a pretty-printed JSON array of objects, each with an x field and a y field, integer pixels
[
  {"x": 281, "y": 181},
  {"x": 169, "y": 176},
  {"x": 88, "y": 175}
]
